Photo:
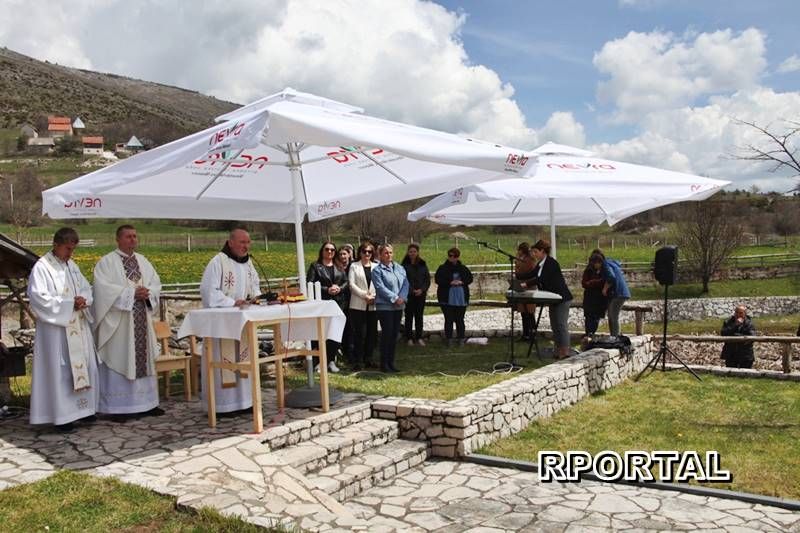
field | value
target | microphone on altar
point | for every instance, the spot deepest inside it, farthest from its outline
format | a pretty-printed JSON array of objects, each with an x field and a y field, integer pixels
[{"x": 268, "y": 296}]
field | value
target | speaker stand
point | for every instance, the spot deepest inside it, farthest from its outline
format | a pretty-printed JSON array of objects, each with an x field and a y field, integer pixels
[{"x": 664, "y": 349}]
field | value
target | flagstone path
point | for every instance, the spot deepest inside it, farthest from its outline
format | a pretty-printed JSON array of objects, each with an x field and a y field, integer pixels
[{"x": 344, "y": 471}]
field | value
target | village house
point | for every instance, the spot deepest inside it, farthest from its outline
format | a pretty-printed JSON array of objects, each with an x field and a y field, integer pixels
[
  {"x": 78, "y": 126},
  {"x": 134, "y": 145},
  {"x": 41, "y": 145},
  {"x": 28, "y": 131},
  {"x": 92, "y": 145},
  {"x": 59, "y": 126}
]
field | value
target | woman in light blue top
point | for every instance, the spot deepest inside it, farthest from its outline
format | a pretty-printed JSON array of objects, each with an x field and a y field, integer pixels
[{"x": 391, "y": 291}]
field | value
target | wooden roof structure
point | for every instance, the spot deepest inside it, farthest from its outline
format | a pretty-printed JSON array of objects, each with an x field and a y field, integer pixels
[{"x": 15, "y": 261}]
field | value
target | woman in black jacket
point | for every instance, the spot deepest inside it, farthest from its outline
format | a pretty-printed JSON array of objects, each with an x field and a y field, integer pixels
[
  {"x": 547, "y": 276},
  {"x": 453, "y": 279},
  {"x": 419, "y": 281},
  {"x": 334, "y": 283},
  {"x": 595, "y": 302}
]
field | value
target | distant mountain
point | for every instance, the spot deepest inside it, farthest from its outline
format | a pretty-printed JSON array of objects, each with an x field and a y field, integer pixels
[{"x": 30, "y": 89}]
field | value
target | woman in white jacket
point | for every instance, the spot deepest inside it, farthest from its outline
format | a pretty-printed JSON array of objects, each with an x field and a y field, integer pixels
[{"x": 363, "y": 318}]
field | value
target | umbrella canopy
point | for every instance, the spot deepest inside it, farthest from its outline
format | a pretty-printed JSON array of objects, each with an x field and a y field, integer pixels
[
  {"x": 283, "y": 157},
  {"x": 568, "y": 190}
]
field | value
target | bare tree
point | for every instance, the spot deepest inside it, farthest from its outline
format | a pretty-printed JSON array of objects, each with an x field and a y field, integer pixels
[
  {"x": 707, "y": 234},
  {"x": 21, "y": 198},
  {"x": 780, "y": 149}
]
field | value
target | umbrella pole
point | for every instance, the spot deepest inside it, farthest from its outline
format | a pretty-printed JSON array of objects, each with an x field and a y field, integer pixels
[
  {"x": 552, "y": 203},
  {"x": 297, "y": 191}
]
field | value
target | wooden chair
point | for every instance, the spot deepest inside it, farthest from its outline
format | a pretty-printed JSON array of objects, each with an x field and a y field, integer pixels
[
  {"x": 166, "y": 362},
  {"x": 195, "y": 364}
]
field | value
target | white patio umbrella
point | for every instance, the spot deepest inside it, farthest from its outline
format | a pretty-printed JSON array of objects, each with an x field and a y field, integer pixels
[
  {"x": 567, "y": 190},
  {"x": 283, "y": 157}
]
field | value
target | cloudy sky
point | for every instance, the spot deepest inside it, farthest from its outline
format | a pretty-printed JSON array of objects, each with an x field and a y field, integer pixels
[{"x": 651, "y": 81}]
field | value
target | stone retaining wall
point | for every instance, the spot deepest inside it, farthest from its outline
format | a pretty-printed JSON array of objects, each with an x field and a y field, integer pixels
[
  {"x": 722, "y": 308},
  {"x": 498, "y": 282},
  {"x": 459, "y": 427}
]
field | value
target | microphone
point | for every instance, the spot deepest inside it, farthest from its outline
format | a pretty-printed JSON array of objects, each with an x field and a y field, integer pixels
[
  {"x": 269, "y": 296},
  {"x": 482, "y": 243}
]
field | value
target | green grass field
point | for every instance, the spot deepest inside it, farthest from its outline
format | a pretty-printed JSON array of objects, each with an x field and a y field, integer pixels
[
  {"x": 70, "y": 501},
  {"x": 753, "y": 423},
  {"x": 434, "y": 371}
]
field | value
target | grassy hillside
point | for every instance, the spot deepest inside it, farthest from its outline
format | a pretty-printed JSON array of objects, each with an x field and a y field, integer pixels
[{"x": 30, "y": 88}]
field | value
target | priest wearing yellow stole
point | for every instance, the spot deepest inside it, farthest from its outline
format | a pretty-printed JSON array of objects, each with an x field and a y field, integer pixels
[
  {"x": 230, "y": 280},
  {"x": 126, "y": 292},
  {"x": 64, "y": 375}
]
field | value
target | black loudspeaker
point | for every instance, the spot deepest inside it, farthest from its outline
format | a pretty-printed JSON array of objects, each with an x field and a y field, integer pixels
[{"x": 665, "y": 268}]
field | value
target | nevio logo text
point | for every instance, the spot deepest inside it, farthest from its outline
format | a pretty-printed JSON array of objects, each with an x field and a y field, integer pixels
[
  {"x": 219, "y": 136},
  {"x": 347, "y": 153},
  {"x": 582, "y": 166},
  {"x": 218, "y": 158},
  {"x": 326, "y": 207},
  {"x": 517, "y": 160}
]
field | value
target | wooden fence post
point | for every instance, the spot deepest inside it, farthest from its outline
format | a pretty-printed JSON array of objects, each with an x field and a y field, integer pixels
[{"x": 786, "y": 357}]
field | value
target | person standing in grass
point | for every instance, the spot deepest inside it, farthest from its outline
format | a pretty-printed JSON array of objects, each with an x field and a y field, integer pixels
[
  {"x": 453, "y": 279},
  {"x": 363, "y": 318},
  {"x": 419, "y": 281},
  {"x": 595, "y": 302},
  {"x": 333, "y": 281},
  {"x": 391, "y": 292},
  {"x": 547, "y": 276},
  {"x": 616, "y": 290}
]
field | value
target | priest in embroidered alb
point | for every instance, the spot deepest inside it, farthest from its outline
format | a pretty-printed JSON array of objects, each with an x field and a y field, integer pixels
[
  {"x": 230, "y": 279},
  {"x": 64, "y": 374},
  {"x": 126, "y": 292}
]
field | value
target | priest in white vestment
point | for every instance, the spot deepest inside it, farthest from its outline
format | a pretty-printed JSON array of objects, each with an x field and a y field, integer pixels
[
  {"x": 229, "y": 280},
  {"x": 64, "y": 384},
  {"x": 126, "y": 292}
]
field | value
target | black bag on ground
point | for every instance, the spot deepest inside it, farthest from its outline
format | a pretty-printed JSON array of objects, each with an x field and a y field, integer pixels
[{"x": 621, "y": 343}]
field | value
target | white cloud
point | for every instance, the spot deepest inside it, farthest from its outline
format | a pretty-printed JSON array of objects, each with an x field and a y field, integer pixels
[
  {"x": 656, "y": 71},
  {"x": 563, "y": 128},
  {"x": 402, "y": 60},
  {"x": 44, "y": 30},
  {"x": 790, "y": 64},
  {"x": 704, "y": 140}
]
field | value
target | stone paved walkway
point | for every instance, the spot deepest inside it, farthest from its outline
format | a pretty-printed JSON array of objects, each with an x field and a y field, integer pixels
[
  {"x": 446, "y": 496},
  {"x": 266, "y": 479}
]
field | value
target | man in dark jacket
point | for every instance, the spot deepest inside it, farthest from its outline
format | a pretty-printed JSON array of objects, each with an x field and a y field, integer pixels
[{"x": 738, "y": 354}]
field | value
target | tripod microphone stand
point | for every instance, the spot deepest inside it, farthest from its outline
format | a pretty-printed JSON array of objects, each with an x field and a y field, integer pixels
[
  {"x": 511, "y": 259},
  {"x": 664, "y": 350}
]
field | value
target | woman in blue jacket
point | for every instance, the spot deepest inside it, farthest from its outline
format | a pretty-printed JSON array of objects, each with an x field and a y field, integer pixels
[
  {"x": 617, "y": 291},
  {"x": 391, "y": 292}
]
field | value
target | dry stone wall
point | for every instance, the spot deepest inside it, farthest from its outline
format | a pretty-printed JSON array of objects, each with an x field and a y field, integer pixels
[{"x": 459, "y": 427}]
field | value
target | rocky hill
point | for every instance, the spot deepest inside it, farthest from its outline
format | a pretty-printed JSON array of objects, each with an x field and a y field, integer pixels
[{"x": 30, "y": 89}]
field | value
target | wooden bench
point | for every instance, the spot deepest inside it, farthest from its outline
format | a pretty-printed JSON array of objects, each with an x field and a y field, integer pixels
[{"x": 785, "y": 342}]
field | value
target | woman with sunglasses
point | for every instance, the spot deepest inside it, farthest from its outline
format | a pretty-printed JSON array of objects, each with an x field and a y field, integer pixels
[
  {"x": 363, "y": 317},
  {"x": 391, "y": 292},
  {"x": 453, "y": 280},
  {"x": 334, "y": 283}
]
